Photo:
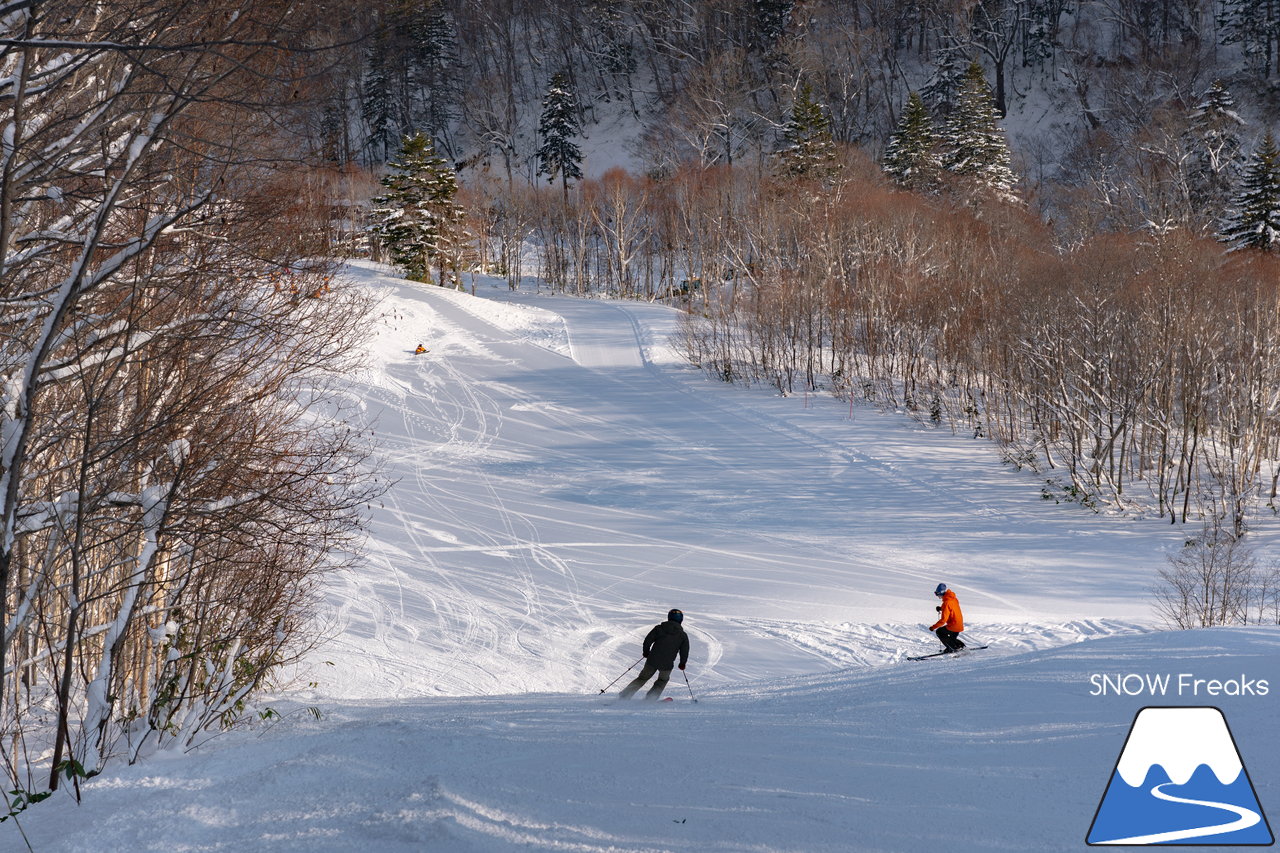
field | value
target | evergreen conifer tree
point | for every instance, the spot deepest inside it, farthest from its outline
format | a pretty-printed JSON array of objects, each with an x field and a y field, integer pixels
[
  {"x": 1254, "y": 220},
  {"x": 974, "y": 147},
  {"x": 1255, "y": 26},
  {"x": 808, "y": 149},
  {"x": 911, "y": 157},
  {"x": 333, "y": 134},
  {"x": 1213, "y": 139},
  {"x": 418, "y": 219},
  {"x": 1040, "y": 23},
  {"x": 558, "y": 155},
  {"x": 434, "y": 57},
  {"x": 376, "y": 106},
  {"x": 615, "y": 53},
  {"x": 771, "y": 19},
  {"x": 943, "y": 89}
]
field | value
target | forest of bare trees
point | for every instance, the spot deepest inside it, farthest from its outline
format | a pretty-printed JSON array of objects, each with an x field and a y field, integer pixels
[
  {"x": 175, "y": 473},
  {"x": 1130, "y": 371}
]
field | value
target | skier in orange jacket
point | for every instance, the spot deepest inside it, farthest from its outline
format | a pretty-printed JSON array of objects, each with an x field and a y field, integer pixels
[{"x": 950, "y": 621}]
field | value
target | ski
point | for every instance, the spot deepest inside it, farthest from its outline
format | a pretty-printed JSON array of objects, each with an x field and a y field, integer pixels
[{"x": 940, "y": 654}]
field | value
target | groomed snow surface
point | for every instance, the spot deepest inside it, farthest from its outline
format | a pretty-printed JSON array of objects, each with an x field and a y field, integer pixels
[{"x": 562, "y": 479}]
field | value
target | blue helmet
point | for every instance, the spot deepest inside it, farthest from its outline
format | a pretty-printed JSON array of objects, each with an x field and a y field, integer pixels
[
  {"x": 942, "y": 587},
  {"x": 675, "y": 616}
]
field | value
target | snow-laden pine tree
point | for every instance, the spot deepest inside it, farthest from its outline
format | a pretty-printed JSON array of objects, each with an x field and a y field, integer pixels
[
  {"x": 433, "y": 55},
  {"x": 1254, "y": 219},
  {"x": 417, "y": 219},
  {"x": 558, "y": 155},
  {"x": 1255, "y": 26},
  {"x": 911, "y": 157},
  {"x": 1213, "y": 140},
  {"x": 807, "y": 147},
  {"x": 334, "y": 136},
  {"x": 770, "y": 24},
  {"x": 612, "y": 47},
  {"x": 376, "y": 104},
  {"x": 942, "y": 90},
  {"x": 974, "y": 148}
]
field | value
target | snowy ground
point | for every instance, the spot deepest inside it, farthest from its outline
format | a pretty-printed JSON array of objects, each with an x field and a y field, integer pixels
[{"x": 563, "y": 480}]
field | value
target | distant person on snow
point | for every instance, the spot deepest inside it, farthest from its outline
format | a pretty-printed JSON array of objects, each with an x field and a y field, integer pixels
[
  {"x": 421, "y": 349},
  {"x": 661, "y": 645},
  {"x": 950, "y": 621}
]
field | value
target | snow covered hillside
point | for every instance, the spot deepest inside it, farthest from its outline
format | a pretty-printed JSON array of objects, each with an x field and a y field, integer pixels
[{"x": 562, "y": 479}]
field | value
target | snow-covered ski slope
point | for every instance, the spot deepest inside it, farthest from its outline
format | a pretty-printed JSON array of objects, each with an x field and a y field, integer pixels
[{"x": 562, "y": 480}]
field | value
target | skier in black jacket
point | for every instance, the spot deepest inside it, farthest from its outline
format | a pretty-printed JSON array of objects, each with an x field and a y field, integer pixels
[{"x": 661, "y": 645}]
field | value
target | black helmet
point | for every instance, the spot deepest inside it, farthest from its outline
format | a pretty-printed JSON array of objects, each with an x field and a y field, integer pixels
[{"x": 675, "y": 615}]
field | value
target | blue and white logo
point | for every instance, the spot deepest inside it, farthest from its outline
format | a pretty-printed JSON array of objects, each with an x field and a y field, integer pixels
[{"x": 1180, "y": 780}]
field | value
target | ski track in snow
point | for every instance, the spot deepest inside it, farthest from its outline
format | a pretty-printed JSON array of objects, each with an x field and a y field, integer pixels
[{"x": 561, "y": 480}]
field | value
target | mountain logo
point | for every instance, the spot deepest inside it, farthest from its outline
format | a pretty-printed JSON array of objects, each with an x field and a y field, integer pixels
[{"x": 1180, "y": 780}]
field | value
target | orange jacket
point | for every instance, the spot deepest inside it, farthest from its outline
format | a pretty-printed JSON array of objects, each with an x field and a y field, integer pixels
[{"x": 951, "y": 616}]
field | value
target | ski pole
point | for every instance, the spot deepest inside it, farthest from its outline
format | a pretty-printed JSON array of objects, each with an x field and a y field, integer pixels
[
  {"x": 686, "y": 684},
  {"x": 619, "y": 678}
]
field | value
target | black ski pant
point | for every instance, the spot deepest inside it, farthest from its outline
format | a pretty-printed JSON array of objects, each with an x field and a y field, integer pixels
[
  {"x": 664, "y": 675},
  {"x": 950, "y": 639}
]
